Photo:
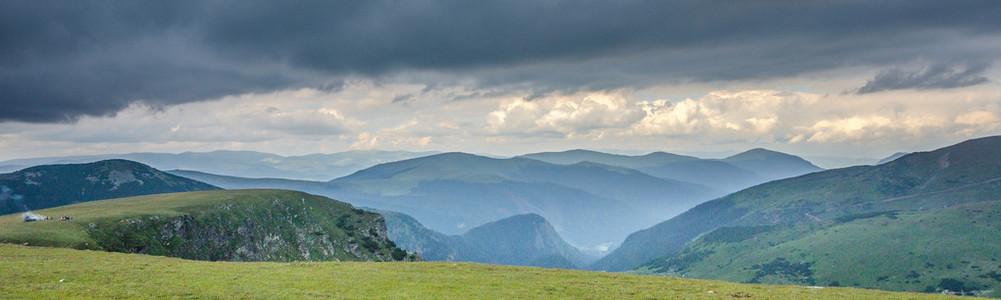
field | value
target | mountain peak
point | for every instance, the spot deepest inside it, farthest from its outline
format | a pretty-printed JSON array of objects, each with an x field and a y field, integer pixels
[
  {"x": 452, "y": 157},
  {"x": 581, "y": 151},
  {"x": 758, "y": 154},
  {"x": 772, "y": 164},
  {"x": 519, "y": 240},
  {"x": 54, "y": 185},
  {"x": 661, "y": 155},
  {"x": 529, "y": 218},
  {"x": 890, "y": 158}
]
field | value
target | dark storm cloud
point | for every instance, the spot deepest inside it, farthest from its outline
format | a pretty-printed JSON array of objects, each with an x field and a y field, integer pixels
[
  {"x": 61, "y": 60},
  {"x": 936, "y": 76}
]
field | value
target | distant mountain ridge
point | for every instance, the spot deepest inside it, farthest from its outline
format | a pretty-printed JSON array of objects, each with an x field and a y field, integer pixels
[
  {"x": 963, "y": 173},
  {"x": 248, "y": 164},
  {"x": 570, "y": 157},
  {"x": 55, "y": 185},
  {"x": 771, "y": 164},
  {"x": 890, "y": 158},
  {"x": 521, "y": 240},
  {"x": 730, "y": 174}
]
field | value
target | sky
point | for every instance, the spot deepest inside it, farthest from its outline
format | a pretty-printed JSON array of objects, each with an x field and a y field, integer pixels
[{"x": 811, "y": 78}]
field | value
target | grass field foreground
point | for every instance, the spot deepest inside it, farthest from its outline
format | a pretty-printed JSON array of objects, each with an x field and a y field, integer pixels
[{"x": 42, "y": 272}]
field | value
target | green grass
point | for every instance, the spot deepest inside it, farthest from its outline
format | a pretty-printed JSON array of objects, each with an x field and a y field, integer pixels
[
  {"x": 73, "y": 234},
  {"x": 902, "y": 251},
  {"x": 232, "y": 225},
  {"x": 42, "y": 272}
]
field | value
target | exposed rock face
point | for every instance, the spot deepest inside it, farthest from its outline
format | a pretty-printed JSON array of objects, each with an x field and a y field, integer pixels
[{"x": 281, "y": 229}]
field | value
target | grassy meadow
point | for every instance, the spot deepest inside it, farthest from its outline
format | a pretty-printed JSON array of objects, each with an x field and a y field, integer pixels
[
  {"x": 73, "y": 233},
  {"x": 43, "y": 272}
]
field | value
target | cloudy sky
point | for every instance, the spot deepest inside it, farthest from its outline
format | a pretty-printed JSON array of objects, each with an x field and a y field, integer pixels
[{"x": 812, "y": 78}]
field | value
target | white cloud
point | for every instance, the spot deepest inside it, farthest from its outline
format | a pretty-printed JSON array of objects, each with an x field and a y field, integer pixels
[
  {"x": 567, "y": 115},
  {"x": 365, "y": 141},
  {"x": 980, "y": 117},
  {"x": 461, "y": 117},
  {"x": 751, "y": 113},
  {"x": 852, "y": 128}
]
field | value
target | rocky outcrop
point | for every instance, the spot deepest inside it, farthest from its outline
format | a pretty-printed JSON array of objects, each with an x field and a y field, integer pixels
[{"x": 289, "y": 227}]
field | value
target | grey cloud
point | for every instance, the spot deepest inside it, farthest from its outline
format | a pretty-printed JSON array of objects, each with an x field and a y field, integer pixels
[
  {"x": 402, "y": 98},
  {"x": 936, "y": 76},
  {"x": 60, "y": 60}
]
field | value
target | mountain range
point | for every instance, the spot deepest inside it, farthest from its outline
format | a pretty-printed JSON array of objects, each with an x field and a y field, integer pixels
[
  {"x": 730, "y": 174},
  {"x": 927, "y": 221},
  {"x": 592, "y": 199},
  {"x": 249, "y": 164},
  {"x": 518, "y": 240},
  {"x": 924, "y": 221}
]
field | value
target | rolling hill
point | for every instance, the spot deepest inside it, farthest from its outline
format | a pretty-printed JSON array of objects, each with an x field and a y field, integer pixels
[
  {"x": 522, "y": 240},
  {"x": 952, "y": 249},
  {"x": 922, "y": 183},
  {"x": 55, "y": 185},
  {"x": 771, "y": 165},
  {"x": 227, "y": 225}
]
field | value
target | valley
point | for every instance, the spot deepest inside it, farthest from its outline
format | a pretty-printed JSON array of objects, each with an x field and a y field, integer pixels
[{"x": 845, "y": 227}]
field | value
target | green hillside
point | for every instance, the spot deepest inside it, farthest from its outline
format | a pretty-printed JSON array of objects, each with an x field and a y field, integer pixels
[
  {"x": 955, "y": 249},
  {"x": 522, "y": 240},
  {"x": 55, "y": 185},
  {"x": 33, "y": 272},
  {"x": 968, "y": 172},
  {"x": 234, "y": 225}
]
